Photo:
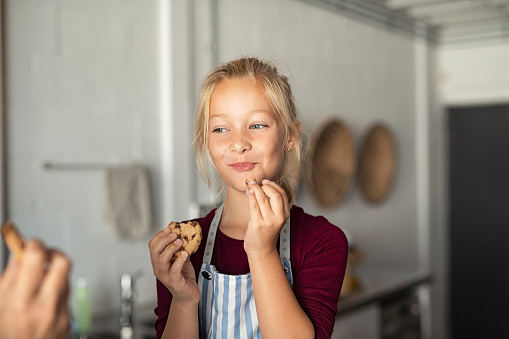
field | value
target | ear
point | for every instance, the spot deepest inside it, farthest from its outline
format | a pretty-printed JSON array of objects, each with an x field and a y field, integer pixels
[{"x": 294, "y": 138}]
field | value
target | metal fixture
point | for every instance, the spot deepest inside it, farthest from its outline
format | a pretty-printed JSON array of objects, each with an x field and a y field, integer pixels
[
  {"x": 127, "y": 282},
  {"x": 442, "y": 22}
]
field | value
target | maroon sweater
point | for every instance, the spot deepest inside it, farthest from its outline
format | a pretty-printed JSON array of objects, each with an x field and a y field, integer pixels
[{"x": 318, "y": 253}]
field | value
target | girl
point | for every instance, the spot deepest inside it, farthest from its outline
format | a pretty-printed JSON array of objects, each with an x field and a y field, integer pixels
[{"x": 265, "y": 267}]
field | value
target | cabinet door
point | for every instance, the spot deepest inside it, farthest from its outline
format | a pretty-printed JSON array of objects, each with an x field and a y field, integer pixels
[{"x": 363, "y": 323}]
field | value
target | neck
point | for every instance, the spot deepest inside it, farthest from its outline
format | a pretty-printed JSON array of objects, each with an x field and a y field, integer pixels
[{"x": 235, "y": 215}]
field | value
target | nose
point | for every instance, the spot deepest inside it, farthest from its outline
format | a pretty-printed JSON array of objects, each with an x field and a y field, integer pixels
[{"x": 239, "y": 144}]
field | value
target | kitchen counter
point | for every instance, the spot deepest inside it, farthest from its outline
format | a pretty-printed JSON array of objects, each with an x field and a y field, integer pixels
[{"x": 379, "y": 286}]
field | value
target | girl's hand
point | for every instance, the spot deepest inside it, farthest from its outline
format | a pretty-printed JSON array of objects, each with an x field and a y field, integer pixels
[
  {"x": 269, "y": 211},
  {"x": 179, "y": 276}
]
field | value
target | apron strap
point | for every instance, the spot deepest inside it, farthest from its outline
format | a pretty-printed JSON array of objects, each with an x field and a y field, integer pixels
[
  {"x": 211, "y": 238},
  {"x": 284, "y": 241},
  {"x": 284, "y": 238}
]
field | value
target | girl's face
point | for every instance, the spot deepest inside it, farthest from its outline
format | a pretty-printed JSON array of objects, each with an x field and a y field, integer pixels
[{"x": 245, "y": 140}]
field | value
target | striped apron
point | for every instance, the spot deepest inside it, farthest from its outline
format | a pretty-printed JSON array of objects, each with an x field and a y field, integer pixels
[{"x": 227, "y": 306}]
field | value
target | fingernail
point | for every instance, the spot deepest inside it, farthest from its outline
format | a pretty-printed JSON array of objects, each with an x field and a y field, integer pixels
[
  {"x": 178, "y": 242},
  {"x": 265, "y": 181}
]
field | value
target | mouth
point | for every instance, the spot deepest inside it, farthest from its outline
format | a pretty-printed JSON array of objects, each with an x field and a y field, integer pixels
[{"x": 243, "y": 166}]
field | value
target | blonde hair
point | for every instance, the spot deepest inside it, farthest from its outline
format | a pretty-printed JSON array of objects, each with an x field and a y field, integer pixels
[{"x": 279, "y": 93}]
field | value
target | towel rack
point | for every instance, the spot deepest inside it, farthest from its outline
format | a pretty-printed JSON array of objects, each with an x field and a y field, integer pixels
[{"x": 55, "y": 166}]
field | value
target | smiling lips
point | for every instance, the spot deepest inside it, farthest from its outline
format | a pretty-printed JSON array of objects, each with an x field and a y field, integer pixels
[{"x": 243, "y": 166}]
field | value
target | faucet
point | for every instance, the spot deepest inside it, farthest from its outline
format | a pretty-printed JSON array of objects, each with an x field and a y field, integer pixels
[
  {"x": 127, "y": 304},
  {"x": 128, "y": 297}
]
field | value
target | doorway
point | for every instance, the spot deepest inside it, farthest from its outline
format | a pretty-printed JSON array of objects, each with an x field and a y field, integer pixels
[{"x": 479, "y": 221}]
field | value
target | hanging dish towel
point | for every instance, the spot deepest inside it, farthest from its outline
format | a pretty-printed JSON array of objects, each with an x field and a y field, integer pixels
[{"x": 127, "y": 205}]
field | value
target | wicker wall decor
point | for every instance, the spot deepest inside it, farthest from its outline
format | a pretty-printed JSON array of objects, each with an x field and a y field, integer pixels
[
  {"x": 333, "y": 162},
  {"x": 377, "y": 163}
]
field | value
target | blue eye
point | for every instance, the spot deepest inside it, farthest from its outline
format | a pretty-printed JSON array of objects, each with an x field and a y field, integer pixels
[
  {"x": 258, "y": 126},
  {"x": 219, "y": 130}
]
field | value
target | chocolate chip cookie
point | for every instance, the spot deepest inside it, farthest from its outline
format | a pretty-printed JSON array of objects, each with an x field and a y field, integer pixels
[{"x": 190, "y": 234}]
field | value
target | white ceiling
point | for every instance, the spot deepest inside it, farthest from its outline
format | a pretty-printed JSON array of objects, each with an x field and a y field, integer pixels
[
  {"x": 459, "y": 21},
  {"x": 445, "y": 22}
]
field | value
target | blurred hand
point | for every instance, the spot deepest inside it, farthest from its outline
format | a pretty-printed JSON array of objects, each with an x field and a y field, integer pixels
[
  {"x": 34, "y": 294},
  {"x": 178, "y": 277}
]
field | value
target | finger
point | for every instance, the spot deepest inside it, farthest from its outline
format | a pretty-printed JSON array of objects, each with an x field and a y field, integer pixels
[
  {"x": 55, "y": 285},
  {"x": 263, "y": 200},
  {"x": 176, "y": 278},
  {"x": 176, "y": 268},
  {"x": 280, "y": 189},
  {"x": 32, "y": 269},
  {"x": 156, "y": 239},
  {"x": 10, "y": 275},
  {"x": 258, "y": 193},
  {"x": 161, "y": 240},
  {"x": 62, "y": 326},
  {"x": 169, "y": 251},
  {"x": 254, "y": 208},
  {"x": 286, "y": 204},
  {"x": 276, "y": 201}
]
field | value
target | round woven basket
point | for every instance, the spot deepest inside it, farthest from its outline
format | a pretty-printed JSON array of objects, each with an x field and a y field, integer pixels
[
  {"x": 377, "y": 163},
  {"x": 333, "y": 163}
]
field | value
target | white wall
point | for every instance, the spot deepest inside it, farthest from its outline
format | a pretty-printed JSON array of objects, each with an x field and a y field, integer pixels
[
  {"x": 474, "y": 74},
  {"x": 84, "y": 86}
]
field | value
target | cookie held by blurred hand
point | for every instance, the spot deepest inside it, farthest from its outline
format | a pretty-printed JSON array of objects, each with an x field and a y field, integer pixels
[
  {"x": 13, "y": 239},
  {"x": 190, "y": 234}
]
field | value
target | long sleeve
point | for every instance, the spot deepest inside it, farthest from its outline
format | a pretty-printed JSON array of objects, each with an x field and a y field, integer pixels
[{"x": 318, "y": 267}]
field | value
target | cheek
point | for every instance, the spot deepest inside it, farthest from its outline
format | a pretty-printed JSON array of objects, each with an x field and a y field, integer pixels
[
  {"x": 213, "y": 154},
  {"x": 276, "y": 155},
  {"x": 216, "y": 152},
  {"x": 277, "y": 146}
]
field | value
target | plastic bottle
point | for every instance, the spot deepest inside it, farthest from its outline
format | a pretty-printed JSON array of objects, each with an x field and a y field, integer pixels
[{"x": 82, "y": 314}]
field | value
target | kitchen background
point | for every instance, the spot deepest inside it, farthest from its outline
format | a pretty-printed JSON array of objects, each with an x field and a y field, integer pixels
[{"x": 115, "y": 82}]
